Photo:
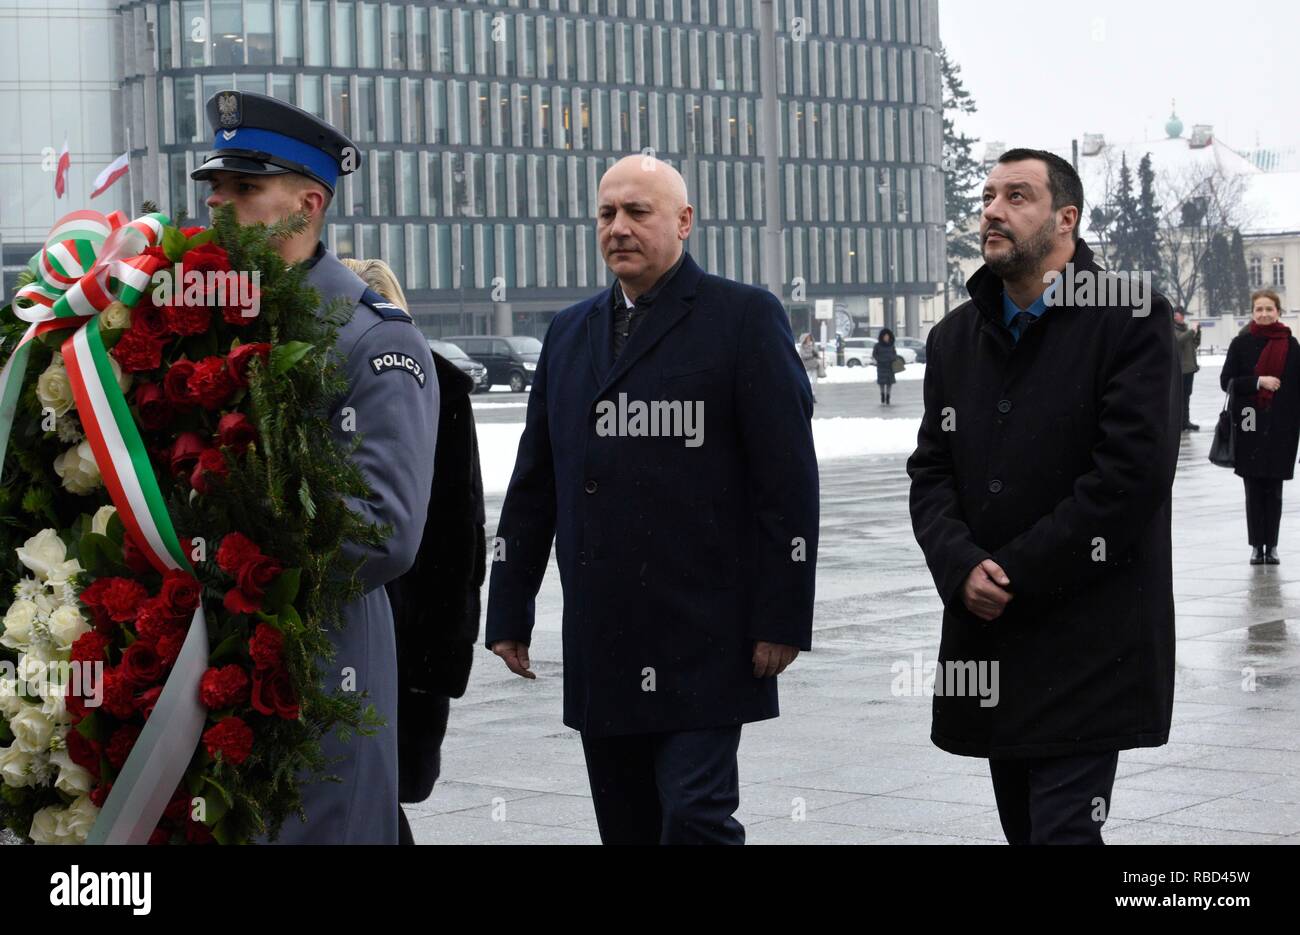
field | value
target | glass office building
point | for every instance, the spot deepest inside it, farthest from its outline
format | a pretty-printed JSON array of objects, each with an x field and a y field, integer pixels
[{"x": 485, "y": 127}]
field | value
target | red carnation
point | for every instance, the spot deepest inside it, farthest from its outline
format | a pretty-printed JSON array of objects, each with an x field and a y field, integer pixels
[
  {"x": 118, "y": 700},
  {"x": 145, "y": 701},
  {"x": 235, "y": 551},
  {"x": 147, "y": 319},
  {"x": 178, "y": 808},
  {"x": 154, "y": 621},
  {"x": 224, "y": 687},
  {"x": 84, "y": 752},
  {"x": 136, "y": 351},
  {"x": 242, "y": 357},
  {"x": 180, "y": 592},
  {"x": 211, "y": 383},
  {"x": 187, "y": 319},
  {"x": 169, "y": 647},
  {"x": 212, "y": 463},
  {"x": 235, "y": 430},
  {"x": 185, "y": 453},
  {"x": 119, "y": 746},
  {"x": 231, "y": 738},
  {"x": 99, "y": 794},
  {"x": 155, "y": 411},
  {"x": 266, "y": 646},
  {"x": 89, "y": 647},
  {"x": 273, "y": 693},
  {"x": 141, "y": 665},
  {"x": 238, "y": 314},
  {"x": 119, "y": 598},
  {"x": 134, "y": 555},
  {"x": 176, "y": 383}
]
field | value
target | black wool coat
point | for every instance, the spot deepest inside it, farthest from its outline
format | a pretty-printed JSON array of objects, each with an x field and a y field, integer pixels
[
  {"x": 1268, "y": 449},
  {"x": 674, "y": 558},
  {"x": 1055, "y": 457}
]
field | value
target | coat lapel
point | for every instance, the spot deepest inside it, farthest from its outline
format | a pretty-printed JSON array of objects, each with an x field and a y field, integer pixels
[
  {"x": 672, "y": 305},
  {"x": 600, "y": 335}
]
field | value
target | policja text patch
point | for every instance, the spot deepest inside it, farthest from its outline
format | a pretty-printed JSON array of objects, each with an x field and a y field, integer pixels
[{"x": 394, "y": 360}]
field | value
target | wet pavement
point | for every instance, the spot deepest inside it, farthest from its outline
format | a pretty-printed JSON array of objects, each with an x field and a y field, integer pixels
[{"x": 849, "y": 762}]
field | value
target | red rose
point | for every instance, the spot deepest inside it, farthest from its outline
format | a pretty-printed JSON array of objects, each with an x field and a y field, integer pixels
[
  {"x": 134, "y": 555},
  {"x": 231, "y": 738},
  {"x": 145, "y": 701},
  {"x": 99, "y": 794},
  {"x": 242, "y": 357},
  {"x": 212, "y": 463},
  {"x": 224, "y": 687},
  {"x": 89, "y": 647},
  {"x": 237, "y": 602},
  {"x": 235, "y": 551},
  {"x": 266, "y": 646},
  {"x": 119, "y": 598},
  {"x": 141, "y": 665},
  {"x": 191, "y": 231},
  {"x": 159, "y": 836},
  {"x": 176, "y": 383},
  {"x": 155, "y": 411},
  {"x": 180, "y": 592},
  {"x": 196, "y": 832},
  {"x": 178, "y": 808},
  {"x": 235, "y": 430},
  {"x": 169, "y": 646},
  {"x": 147, "y": 319},
  {"x": 119, "y": 746},
  {"x": 211, "y": 383},
  {"x": 257, "y": 574},
  {"x": 273, "y": 693},
  {"x": 187, "y": 319},
  {"x": 84, "y": 752},
  {"x": 185, "y": 453},
  {"x": 136, "y": 351},
  {"x": 239, "y": 315},
  {"x": 208, "y": 256}
]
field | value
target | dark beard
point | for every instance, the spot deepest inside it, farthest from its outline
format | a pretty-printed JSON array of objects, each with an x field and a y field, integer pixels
[{"x": 1025, "y": 255}]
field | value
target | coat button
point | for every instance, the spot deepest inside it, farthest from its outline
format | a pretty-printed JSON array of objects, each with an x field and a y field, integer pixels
[
  {"x": 995, "y": 486},
  {"x": 590, "y": 486},
  {"x": 1004, "y": 406},
  {"x": 582, "y": 558}
]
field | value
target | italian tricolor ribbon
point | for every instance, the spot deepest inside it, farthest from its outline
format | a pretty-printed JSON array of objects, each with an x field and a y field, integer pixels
[{"x": 90, "y": 261}]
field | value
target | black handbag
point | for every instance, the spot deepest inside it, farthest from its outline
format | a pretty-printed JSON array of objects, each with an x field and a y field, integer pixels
[{"x": 1223, "y": 448}]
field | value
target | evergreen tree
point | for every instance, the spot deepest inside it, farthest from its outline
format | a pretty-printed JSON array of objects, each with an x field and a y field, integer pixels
[
  {"x": 1216, "y": 278},
  {"x": 962, "y": 174},
  {"x": 1240, "y": 274},
  {"x": 1146, "y": 229}
]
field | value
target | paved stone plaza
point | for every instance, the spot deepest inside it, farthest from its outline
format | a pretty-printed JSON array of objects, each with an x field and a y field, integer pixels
[{"x": 856, "y": 761}]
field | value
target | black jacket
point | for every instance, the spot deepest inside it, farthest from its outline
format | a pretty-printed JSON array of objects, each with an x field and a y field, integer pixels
[
  {"x": 673, "y": 558},
  {"x": 1268, "y": 450},
  {"x": 436, "y": 603},
  {"x": 1054, "y": 457}
]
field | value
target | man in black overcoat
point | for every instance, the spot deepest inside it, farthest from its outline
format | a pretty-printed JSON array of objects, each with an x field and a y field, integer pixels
[
  {"x": 1041, "y": 499},
  {"x": 668, "y": 451}
]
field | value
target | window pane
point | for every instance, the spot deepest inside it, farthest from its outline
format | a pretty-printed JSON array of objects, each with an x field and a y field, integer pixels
[
  {"x": 318, "y": 33},
  {"x": 340, "y": 109},
  {"x": 386, "y": 205},
  {"x": 366, "y": 109},
  {"x": 192, "y": 18},
  {"x": 187, "y": 126},
  {"x": 369, "y": 40},
  {"x": 392, "y": 109},
  {"x": 345, "y": 30},
  {"x": 259, "y": 37},
  {"x": 227, "y": 33},
  {"x": 397, "y": 36},
  {"x": 290, "y": 32}
]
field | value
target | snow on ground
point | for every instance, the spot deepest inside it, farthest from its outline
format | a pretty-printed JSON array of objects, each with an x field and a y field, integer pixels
[
  {"x": 868, "y": 374},
  {"x": 839, "y": 437}
]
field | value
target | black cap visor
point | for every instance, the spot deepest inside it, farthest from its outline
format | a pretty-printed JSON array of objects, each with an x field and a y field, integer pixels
[{"x": 253, "y": 164}]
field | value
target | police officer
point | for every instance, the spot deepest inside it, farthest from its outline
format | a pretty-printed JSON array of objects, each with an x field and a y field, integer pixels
[{"x": 272, "y": 160}]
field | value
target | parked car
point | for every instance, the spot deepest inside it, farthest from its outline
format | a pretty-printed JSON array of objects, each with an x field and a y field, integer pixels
[
  {"x": 510, "y": 361},
  {"x": 477, "y": 372},
  {"x": 857, "y": 352},
  {"x": 915, "y": 344}
]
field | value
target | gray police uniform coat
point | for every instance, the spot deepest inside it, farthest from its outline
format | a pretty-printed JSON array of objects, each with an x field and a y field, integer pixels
[{"x": 393, "y": 396}]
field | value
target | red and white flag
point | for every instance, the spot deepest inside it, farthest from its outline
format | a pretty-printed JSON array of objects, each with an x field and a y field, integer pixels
[
  {"x": 61, "y": 175},
  {"x": 112, "y": 172}
]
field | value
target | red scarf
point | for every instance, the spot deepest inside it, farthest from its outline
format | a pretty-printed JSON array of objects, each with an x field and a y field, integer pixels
[{"x": 1272, "y": 359}]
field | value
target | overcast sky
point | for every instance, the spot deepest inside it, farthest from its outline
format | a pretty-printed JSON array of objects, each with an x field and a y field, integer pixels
[{"x": 1043, "y": 73}]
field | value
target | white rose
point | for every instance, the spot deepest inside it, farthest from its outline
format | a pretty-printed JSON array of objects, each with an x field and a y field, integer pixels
[
  {"x": 53, "y": 388},
  {"x": 123, "y": 379},
  {"x": 116, "y": 315},
  {"x": 51, "y": 826},
  {"x": 10, "y": 702},
  {"x": 99, "y": 522},
  {"x": 18, "y": 624},
  {"x": 31, "y": 730},
  {"x": 34, "y": 671},
  {"x": 77, "y": 469},
  {"x": 80, "y": 818},
  {"x": 73, "y": 779},
  {"x": 16, "y": 767},
  {"x": 43, "y": 552},
  {"x": 55, "y": 705},
  {"x": 66, "y": 624}
]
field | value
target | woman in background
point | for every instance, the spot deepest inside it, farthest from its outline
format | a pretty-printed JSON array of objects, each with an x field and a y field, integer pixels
[
  {"x": 1262, "y": 370},
  {"x": 811, "y": 360},
  {"x": 884, "y": 354}
]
